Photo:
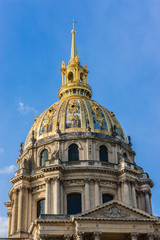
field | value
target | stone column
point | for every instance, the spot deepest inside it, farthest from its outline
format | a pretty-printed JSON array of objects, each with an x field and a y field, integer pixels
[
  {"x": 134, "y": 200},
  {"x": 29, "y": 207},
  {"x": 9, "y": 224},
  {"x": 150, "y": 236},
  {"x": 26, "y": 206},
  {"x": 96, "y": 235},
  {"x": 21, "y": 209},
  {"x": 134, "y": 236},
  {"x": 147, "y": 202},
  {"x": 14, "y": 212},
  {"x": 97, "y": 194},
  {"x": 142, "y": 201},
  {"x": 126, "y": 191},
  {"x": 119, "y": 191},
  {"x": 61, "y": 187},
  {"x": 47, "y": 197},
  {"x": 79, "y": 236},
  {"x": 150, "y": 202},
  {"x": 57, "y": 196},
  {"x": 87, "y": 194}
]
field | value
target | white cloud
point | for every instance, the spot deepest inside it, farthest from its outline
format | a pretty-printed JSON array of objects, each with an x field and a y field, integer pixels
[
  {"x": 1, "y": 150},
  {"x": 9, "y": 169},
  {"x": 24, "y": 109},
  {"x": 4, "y": 226}
]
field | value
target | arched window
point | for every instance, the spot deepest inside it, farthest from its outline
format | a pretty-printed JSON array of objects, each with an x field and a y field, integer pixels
[
  {"x": 70, "y": 76},
  {"x": 125, "y": 155},
  {"x": 40, "y": 207},
  {"x": 73, "y": 153},
  {"x": 74, "y": 203},
  {"x": 103, "y": 154},
  {"x": 43, "y": 157},
  {"x": 106, "y": 198}
]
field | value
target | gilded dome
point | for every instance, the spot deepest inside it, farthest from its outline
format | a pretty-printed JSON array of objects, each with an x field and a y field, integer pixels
[{"x": 75, "y": 112}]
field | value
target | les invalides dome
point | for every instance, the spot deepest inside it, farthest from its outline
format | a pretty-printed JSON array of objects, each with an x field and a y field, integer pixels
[{"x": 77, "y": 177}]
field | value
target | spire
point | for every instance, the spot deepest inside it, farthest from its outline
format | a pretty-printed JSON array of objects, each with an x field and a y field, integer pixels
[{"x": 73, "y": 47}]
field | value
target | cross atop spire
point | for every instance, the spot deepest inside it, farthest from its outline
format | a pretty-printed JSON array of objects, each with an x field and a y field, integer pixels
[
  {"x": 73, "y": 22},
  {"x": 73, "y": 47}
]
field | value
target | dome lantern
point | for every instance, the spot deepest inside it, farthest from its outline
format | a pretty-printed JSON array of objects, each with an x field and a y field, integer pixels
[{"x": 74, "y": 76}]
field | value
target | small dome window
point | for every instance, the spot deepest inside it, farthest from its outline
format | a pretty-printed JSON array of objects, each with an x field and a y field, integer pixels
[
  {"x": 43, "y": 157},
  {"x": 125, "y": 155},
  {"x": 103, "y": 154},
  {"x": 73, "y": 153},
  {"x": 106, "y": 198}
]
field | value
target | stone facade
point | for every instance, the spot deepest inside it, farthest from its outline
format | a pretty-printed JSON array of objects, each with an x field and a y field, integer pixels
[{"x": 77, "y": 120}]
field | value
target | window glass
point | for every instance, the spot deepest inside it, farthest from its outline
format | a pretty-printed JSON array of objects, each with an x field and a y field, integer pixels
[
  {"x": 44, "y": 157},
  {"x": 73, "y": 153},
  {"x": 106, "y": 198},
  {"x": 74, "y": 203},
  {"x": 103, "y": 154},
  {"x": 40, "y": 207}
]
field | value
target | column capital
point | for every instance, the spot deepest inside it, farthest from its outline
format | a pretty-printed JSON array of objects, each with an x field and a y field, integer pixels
[
  {"x": 67, "y": 237},
  {"x": 96, "y": 235},
  {"x": 97, "y": 180},
  {"x": 150, "y": 236},
  {"x": 47, "y": 180},
  {"x": 134, "y": 236},
  {"x": 87, "y": 180},
  {"x": 42, "y": 236},
  {"x": 79, "y": 235}
]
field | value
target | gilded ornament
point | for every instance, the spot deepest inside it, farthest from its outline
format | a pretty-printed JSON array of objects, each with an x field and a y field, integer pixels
[
  {"x": 73, "y": 108},
  {"x": 98, "y": 115},
  {"x": 49, "y": 117}
]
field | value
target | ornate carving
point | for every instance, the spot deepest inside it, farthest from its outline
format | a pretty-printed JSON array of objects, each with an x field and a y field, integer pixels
[
  {"x": 55, "y": 154},
  {"x": 114, "y": 212},
  {"x": 79, "y": 235},
  {"x": 134, "y": 236},
  {"x": 73, "y": 108},
  {"x": 67, "y": 237},
  {"x": 150, "y": 236},
  {"x": 73, "y": 182},
  {"x": 110, "y": 183},
  {"x": 97, "y": 111},
  {"x": 35, "y": 189},
  {"x": 49, "y": 117},
  {"x": 96, "y": 235}
]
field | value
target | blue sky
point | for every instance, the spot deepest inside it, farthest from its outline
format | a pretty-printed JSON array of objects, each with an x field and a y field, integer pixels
[{"x": 119, "y": 41}]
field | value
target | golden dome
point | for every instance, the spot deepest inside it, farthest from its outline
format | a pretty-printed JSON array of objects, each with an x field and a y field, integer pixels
[{"x": 75, "y": 112}]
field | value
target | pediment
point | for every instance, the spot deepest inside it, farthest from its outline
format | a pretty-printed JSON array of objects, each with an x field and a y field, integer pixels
[{"x": 116, "y": 210}]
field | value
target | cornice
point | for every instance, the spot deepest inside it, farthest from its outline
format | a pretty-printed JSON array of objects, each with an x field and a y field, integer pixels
[{"x": 20, "y": 177}]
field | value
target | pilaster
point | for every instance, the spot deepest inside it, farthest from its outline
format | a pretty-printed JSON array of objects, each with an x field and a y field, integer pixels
[
  {"x": 87, "y": 194},
  {"x": 14, "y": 212},
  {"x": 97, "y": 199},
  {"x": 134, "y": 200},
  {"x": 9, "y": 223},
  {"x": 47, "y": 196}
]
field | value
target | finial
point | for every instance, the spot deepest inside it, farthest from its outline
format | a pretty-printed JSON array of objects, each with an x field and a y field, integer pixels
[
  {"x": 129, "y": 141},
  {"x": 73, "y": 47},
  {"x": 21, "y": 149}
]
